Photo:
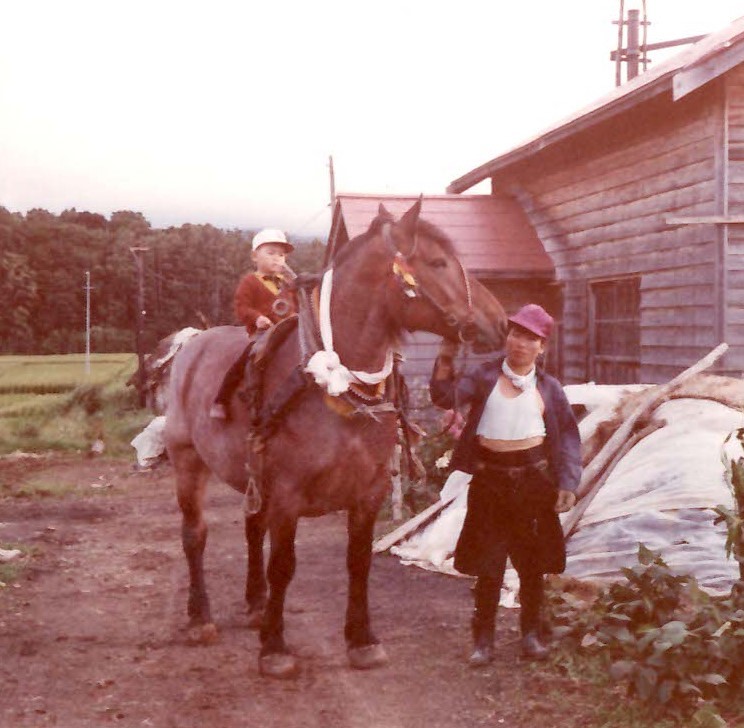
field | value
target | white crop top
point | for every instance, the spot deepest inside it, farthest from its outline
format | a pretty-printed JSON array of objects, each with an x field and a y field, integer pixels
[{"x": 515, "y": 418}]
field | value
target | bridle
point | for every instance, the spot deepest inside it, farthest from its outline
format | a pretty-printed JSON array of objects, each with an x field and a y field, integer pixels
[{"x": 403, "y": 273}]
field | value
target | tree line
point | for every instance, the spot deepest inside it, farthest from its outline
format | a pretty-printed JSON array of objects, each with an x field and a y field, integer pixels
[{"x": 189, "y": 276}]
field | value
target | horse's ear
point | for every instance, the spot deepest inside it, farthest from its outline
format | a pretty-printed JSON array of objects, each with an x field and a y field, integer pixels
[
  {"x": 383, "y": 212},
  {"x": 409, "y": 220}
]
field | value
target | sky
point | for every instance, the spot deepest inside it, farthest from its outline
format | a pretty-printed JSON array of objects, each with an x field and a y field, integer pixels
[{"x": 227, "y": 112}]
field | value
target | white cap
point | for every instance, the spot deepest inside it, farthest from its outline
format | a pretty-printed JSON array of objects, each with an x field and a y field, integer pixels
[{"x": 269, "y": 235}]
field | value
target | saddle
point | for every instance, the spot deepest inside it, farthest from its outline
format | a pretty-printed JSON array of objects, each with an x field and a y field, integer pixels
[{"x": 266, "y": 343}]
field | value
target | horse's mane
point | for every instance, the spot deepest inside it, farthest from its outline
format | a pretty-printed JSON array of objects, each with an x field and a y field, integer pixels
[{"x": 424, "y": 227}]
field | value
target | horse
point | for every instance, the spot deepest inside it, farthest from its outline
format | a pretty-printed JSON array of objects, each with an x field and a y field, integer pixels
[{"x": 330, "y": 450}]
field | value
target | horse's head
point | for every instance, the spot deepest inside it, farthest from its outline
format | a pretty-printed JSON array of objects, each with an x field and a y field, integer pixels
[{"x": 432, "y": 291}]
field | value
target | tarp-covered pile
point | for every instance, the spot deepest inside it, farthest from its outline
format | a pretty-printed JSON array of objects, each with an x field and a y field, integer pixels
[{"x": 661, "y": 493}]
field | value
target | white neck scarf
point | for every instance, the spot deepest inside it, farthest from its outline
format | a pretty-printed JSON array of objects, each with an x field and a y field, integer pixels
[
  {"x": 520, "y": 381},
  {"x": 325, "y": 366}
]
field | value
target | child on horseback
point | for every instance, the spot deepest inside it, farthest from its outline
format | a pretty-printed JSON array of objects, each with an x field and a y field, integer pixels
[{"x": 260, "y": 301}]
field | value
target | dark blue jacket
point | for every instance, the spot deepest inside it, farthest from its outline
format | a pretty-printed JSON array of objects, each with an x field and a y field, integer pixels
[{"x": 562, "y": 439}]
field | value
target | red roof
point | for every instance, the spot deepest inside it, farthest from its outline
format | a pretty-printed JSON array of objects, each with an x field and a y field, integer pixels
[{"x": 491, "y": 234}]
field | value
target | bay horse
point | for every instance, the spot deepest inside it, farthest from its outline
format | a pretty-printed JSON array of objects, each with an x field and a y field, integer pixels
[{"x": 330, "y": 451}]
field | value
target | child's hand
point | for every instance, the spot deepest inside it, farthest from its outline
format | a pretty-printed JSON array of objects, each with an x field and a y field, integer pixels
[{"x": 263, "y": 322}]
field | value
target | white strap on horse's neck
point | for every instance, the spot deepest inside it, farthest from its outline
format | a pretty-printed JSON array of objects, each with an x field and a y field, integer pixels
[{"x": 325, "y": 366}]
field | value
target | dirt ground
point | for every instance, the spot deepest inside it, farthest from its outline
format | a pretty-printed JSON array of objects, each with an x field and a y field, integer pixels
[{"x": 91, "y": 634}]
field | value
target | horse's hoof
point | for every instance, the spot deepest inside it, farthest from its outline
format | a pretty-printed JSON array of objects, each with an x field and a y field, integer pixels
[
  {"x": 367, "y": 657},
  {"x": 279, "y": 665},
  {"x": 202, "y": 634},
  {"x": 255, "y": 616}
]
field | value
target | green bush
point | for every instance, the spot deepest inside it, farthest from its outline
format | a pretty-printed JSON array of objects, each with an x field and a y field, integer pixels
[{"x": 679, "y": 651}]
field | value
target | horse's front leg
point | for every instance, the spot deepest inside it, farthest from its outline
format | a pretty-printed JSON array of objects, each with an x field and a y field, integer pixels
[
  {"x": 363, "y": 648},
  {"x": 255, "y": 583},
  {"x": 275, "y": 660}
]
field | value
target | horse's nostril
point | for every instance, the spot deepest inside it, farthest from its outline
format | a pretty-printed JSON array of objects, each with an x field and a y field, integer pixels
[
  {"x": 451, "y": 320},
  {"x": 469, "y": 333}
]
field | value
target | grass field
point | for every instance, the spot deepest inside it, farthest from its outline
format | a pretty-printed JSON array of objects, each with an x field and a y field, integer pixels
[{"x": 51, "y": 402}]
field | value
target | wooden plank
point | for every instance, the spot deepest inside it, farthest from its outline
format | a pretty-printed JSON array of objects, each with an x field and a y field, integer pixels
[
  {"x": 411, "y": 526},
  {"x": 736, "y": 279},
  {"x": 675, "y": 137},
  {"x": 704, "y": 220},
  {"x": 736, "y": 296},
  {"x": 696, "y": 316},
  {"x": 736, "y": 194},
  {"x": 689, "y": 296},
  {"x": 675, "y": 278},
  {"x": 623, "y": 227},
  {"x": 736, "y": 172},
  {"x": 624, "y": 267},
  {"x": 675, "y": 356},
  {"x": 624, "y": 260},
  {"x": 735, "y": 262},
  {"x": 634, "y": 200},
  {"x": 633, "y": 183},
  {"x": 680, "y": 335},
  {"x": 642, "y": 207}
]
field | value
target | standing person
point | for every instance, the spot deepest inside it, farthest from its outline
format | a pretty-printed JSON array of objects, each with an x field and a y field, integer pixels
[
  {"x": 254, "y": 301},
  {"x": 521, "y": 444}
]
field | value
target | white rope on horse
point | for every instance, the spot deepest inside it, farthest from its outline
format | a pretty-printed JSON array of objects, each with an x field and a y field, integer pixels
[{"x": 325, "y": 365}]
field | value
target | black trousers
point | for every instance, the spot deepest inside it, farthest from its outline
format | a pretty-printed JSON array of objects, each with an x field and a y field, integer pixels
[{"x": 511, "y": 498}]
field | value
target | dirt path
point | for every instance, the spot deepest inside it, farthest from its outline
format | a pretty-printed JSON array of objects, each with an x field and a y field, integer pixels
[{"x": 91, "y": 634}]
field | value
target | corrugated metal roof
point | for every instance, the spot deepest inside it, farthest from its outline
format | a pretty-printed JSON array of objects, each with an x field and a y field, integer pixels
[
  {"x": 681, "y": 74},
  {"x": 491, "y": 234}
]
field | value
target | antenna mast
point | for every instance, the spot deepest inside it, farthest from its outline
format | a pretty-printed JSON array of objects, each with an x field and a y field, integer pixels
[{"x": 636, "y": 52}]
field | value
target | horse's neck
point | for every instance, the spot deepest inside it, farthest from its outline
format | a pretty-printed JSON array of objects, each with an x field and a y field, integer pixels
[{"x": 362, "y": 330}]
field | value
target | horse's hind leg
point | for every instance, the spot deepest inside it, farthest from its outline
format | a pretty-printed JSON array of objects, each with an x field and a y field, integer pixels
[
  {"x": 255, "y": 583},
  {"x": 191, "y": 481},
  {"x": 364, "y": 650},
  {"x": 275, "y": 660}
]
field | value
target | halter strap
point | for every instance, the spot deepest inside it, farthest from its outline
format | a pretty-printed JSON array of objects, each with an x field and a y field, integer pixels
[{"x": 468, "y": 290}]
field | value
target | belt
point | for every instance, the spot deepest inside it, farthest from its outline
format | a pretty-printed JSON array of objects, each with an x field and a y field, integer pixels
[{"x": 513, "y": 472}]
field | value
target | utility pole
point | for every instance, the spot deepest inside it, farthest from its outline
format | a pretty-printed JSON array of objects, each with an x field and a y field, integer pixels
[
  {"x": 139, "y": 336},
  {"x": 87, "y": 323}
]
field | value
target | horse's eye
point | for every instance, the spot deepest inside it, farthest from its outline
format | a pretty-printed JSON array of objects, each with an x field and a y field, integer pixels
[{"x": 437, "y": 263}]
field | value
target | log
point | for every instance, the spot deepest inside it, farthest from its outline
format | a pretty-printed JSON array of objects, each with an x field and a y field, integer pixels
[
  {"x": 573, "y": 518},
  {"x": 649, "y": 399}
]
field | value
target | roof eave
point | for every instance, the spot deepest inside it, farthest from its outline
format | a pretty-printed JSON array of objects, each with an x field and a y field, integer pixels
[{"x": 659, "y": 86}]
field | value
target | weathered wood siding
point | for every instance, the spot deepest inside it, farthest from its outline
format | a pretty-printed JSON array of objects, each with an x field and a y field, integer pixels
[
  {"x": 599, "y": 203},
  {"x": 734, "y": 282}
]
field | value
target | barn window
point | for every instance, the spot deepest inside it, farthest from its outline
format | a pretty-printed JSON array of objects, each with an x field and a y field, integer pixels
[{"x": 615, "y": 332}]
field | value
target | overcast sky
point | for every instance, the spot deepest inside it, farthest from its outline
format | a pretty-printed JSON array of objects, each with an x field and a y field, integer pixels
[{"x": 227, "y": 112}]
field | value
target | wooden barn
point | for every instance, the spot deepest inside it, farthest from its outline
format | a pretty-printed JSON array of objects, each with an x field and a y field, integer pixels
[{"x": 638, "y": 200}]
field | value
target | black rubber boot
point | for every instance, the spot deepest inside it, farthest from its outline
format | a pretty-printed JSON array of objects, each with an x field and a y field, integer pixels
[
  {"x": 483, "y": 637},
  {"x": 531, "y": 597},
  {"x": 532, "y": 648}
]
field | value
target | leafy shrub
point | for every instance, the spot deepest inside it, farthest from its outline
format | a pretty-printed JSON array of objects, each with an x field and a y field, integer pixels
[{"x": 679, "y": 650}]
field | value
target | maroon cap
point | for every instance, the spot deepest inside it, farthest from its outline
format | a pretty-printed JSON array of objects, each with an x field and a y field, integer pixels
[{"x": 534, "y": 318}]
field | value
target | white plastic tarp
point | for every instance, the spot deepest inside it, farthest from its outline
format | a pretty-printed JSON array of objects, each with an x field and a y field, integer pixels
[{"x": 660, "y": 494}]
